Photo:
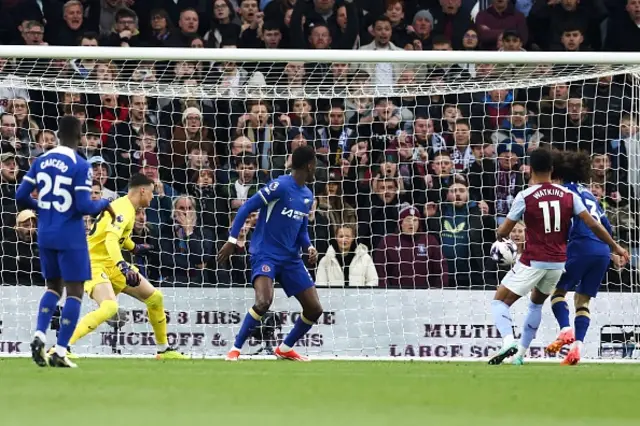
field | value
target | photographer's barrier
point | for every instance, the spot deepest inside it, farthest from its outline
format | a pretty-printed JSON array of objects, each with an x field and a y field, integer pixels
[{"x": 356, "y": 322}]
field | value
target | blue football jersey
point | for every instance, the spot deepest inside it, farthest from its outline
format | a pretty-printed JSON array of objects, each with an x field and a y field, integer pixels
[
  {"x": 63, "y": 180},
  {"x": 282, "y": 228},
  {"x": 582, "y": 241}
]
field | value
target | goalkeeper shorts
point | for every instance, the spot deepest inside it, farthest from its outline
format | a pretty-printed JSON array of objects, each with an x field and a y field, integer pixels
[{"x": 106, "y": 273}]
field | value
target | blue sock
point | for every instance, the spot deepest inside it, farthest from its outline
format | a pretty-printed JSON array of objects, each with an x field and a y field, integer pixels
[
  {"x": 300, "y": 328},
  {"x": 531, "y": 324},
  {"x": 581, "y": 323},
  {"x": 560, "y": 311},
  {"x": 502, "y": 319},
  {"x": 68, "y": 320},
  {"x": 251, "y": 321},
  {"x": 47, "y": 307}
]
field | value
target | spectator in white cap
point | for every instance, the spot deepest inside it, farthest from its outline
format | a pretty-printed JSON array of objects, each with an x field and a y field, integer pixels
[
  {"x": 192, "y": 130},
  {"x": 102, "y": 174},
  {"x": 8, "y": 186},
  {"x": 19, "y": 255}
]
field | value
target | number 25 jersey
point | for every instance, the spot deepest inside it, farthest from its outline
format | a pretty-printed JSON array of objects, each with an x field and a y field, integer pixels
[{"x": 59, "y": 175}]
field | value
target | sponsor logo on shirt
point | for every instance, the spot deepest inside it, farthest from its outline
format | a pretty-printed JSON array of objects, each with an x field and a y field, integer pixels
[{"x": 293, "y": 214}]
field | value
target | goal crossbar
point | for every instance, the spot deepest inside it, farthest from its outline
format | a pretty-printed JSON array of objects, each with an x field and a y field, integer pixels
[{"x": 290, "y": 55}]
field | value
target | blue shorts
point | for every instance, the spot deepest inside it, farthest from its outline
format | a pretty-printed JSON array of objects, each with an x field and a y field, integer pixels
[
  {"x": 584, "y": 274},
  {"x": 292, "y": 275},
  {"x": 70, "y": 265}
]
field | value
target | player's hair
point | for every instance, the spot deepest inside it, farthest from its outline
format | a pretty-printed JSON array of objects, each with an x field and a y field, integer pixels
[
  {"x": 441, "y": 153},
  {"x": 125, "y": 12},
  {"x": 247, "y": 160},
  {"x": 302, "y": 156},
  {"x": 572, "y": 26},
  {"x": 349, "y": 226},
  {"x": 271, "y": 26},
  {"x": 69, "y": 131},
  {"x": 441, "y": 39},
  {"x": 138, "y": 180},
  {"x": 389, "y": 3},
  {"x": 318, "y": 24},
  {"x": 150, "y": 130},
  {"x": 541, "y": 160},
  {"x": 88, "y": 35},
  {"x": 464, "y": 122},
  {"x": 41, "y": 133},
  {"x": 382, "y": 18},
  {"x": 558, "y": 165},
  {"x": 576, "y": 167}
]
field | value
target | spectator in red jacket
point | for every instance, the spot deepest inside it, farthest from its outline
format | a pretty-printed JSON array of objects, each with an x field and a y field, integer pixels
[
  {"x": 498, "y": 17},
  {"x": 410, "y": 259}
]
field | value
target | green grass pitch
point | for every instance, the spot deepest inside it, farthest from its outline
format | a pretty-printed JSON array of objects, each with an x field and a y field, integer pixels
[{"x": 122, "y": 392}]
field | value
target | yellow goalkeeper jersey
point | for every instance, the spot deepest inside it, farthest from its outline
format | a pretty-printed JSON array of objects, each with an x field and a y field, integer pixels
[{"x": 106, "y": 240}]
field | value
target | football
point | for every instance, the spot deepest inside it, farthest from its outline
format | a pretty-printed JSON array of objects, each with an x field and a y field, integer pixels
[{"x": 504, "y": 252}]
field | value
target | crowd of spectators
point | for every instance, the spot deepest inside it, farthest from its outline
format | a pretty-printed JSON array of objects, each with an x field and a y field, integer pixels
[{"x": 409, "y": 189}]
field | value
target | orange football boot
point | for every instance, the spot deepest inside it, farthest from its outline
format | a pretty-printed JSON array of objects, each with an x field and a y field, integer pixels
[
  {"x": 573, "y": 357},
  {"x": 566, "y": 337},
  {"x": 290, "y": 355},
  {"x": 232, "y": 355}
]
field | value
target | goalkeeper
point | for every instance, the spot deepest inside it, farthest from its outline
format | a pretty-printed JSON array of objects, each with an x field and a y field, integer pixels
[{"x": 111, "y": 275}]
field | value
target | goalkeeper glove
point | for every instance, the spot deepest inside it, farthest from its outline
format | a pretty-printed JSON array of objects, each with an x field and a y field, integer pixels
[
  {"x": 131, "y": 276},
  {"x": 142, "y": 249}
]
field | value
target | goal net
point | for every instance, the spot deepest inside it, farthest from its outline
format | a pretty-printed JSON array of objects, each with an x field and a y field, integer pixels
[{"x": 438, "y": 136}]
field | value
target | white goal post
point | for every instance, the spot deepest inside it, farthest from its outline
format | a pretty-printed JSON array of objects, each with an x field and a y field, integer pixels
[{"x": 214, "y": 125}]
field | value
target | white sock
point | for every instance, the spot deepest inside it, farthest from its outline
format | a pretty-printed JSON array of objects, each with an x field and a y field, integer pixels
[
  {"x": 40, "y": 335},
  {"x": 284, "y": 348},
  {"x": 562, "y": 330},
  {"x": 578, "y": 344},
  {"x": 61, "y": 350},
  {"x": 162, "y": 347},
  {"x": 522, "y": 351},
  {"x": 507, "y": 340},
  {"x": 236, "y": 349}
]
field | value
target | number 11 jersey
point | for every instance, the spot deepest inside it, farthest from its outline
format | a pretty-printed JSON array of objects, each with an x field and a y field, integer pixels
[{"x": 547, "y": 210}]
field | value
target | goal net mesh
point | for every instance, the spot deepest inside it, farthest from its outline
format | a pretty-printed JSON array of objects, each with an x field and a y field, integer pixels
[{"x": 446, "y": 143}]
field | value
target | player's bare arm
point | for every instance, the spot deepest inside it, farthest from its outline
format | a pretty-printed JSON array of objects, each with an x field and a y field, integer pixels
[
  {"x": 226, "y": 251},
  {"x": 505, "y": 229},
  {"x": 603, "y": 235}
]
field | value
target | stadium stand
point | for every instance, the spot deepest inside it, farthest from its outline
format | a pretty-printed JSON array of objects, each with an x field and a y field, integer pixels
[{"x": 455, "y": 162}]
